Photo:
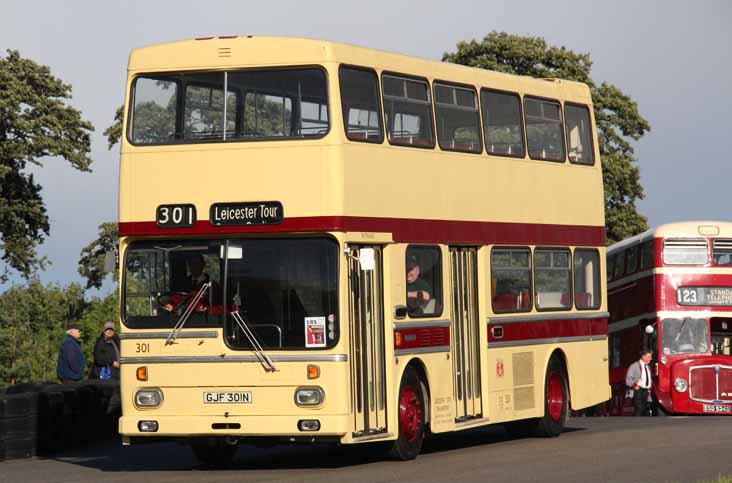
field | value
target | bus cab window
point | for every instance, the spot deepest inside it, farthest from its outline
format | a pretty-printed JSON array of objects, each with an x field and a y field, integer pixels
[{"x": 424, "y": 281}]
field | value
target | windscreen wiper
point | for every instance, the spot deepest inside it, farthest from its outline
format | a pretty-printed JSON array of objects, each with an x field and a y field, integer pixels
[
  {"x": 256, "y": 346},
  {"x": 187, "y": 313}
]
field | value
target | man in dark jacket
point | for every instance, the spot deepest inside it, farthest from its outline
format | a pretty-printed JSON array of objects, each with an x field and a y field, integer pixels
[
  {"x": 106, "y": 354},
  {"x": 71, "y": 363}
]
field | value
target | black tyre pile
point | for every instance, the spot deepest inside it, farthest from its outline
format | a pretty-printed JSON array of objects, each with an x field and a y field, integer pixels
[{"x": 46, "y": 418}]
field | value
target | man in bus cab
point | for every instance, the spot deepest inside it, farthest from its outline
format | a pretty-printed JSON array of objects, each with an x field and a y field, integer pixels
[
  {"x": 195, "y": 281},
  {"x": 419, "y": 291},
  {"x": 638, "y": 379}
]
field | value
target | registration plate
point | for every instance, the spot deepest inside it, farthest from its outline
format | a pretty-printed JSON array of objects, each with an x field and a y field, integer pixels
[
  {"x": 717, "y": 408},
  {"x": 244, "y": 397}
]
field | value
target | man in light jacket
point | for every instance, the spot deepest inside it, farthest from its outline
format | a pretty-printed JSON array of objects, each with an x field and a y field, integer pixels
[{"x": 639, "y": 381}]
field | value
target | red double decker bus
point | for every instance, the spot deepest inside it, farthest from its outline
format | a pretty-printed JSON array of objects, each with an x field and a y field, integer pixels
[{"x": 670, "y": 289}]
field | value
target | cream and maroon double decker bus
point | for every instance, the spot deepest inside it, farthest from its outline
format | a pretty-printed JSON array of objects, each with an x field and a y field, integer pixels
[
  {"x": 670, "y": 290},
  {"x": 326, "y": 243}
]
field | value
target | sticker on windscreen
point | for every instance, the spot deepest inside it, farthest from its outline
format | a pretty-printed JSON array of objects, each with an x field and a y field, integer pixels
[{"x": 314, "y": 331}]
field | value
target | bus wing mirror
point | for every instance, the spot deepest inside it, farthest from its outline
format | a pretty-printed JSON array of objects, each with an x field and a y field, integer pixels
[
  {"x": 649, "y": 329},
  {"x": 110, "y": 262},
  {"x": 366, "y": 259}
]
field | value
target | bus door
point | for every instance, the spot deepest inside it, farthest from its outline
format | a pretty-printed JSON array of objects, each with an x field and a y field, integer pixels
[
  {"x": 465, "y": 333},
  {"x": 368, "y": 373}
]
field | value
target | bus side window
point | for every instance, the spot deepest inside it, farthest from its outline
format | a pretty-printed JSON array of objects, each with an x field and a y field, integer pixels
[
  {"x": 408, "y": 111},
  {"x": 511, "y": 280},
  {"x": 458, "y": 120},
  {"x": 544, "y": 129},
  {"x": 619, "y": 269},
  {"x": 586, "y": 279},
  {"x": 632, "y": 260},
  {"x": 552, "y": 279},
  {"x": 502, "y": 123},
  {"x": 579, "y": 134},
  {"x": 646, "y": 254},
  {"x": 360, "y": 104}
]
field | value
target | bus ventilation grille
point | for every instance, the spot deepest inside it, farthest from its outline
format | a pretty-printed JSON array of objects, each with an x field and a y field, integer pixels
[
  {"x": 523, "y": 375},
  {"x": 224, "y": 51}
]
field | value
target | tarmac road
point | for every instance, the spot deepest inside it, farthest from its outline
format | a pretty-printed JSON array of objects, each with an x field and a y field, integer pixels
[{"x": 591, "y": 450}]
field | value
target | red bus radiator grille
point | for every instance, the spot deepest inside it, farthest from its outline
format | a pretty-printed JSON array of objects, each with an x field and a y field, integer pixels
[{"x": 703, "y": 383}]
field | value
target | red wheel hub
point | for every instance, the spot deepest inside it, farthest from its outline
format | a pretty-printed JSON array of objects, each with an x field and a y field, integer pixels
[
  {"x": 554, "y": 396},
  {"x": 410, "y": 413}
]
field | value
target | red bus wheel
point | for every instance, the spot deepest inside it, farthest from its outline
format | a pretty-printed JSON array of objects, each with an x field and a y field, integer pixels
[{"x": 411, "y": 414}]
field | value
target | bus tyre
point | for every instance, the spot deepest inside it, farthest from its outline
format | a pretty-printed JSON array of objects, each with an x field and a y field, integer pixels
[
  {"x": 214, "y": 451},
  {"x": 555, "y": 401},
  {"x": 410, "y": 416}
]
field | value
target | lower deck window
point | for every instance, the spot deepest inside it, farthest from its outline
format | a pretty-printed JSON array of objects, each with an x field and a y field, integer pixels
[
  {"x": 552, "y": 279},
  {"x": 511, "y": 279}
]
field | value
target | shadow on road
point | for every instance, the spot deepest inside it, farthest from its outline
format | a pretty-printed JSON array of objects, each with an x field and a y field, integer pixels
[{"x": 111, "y": 456}]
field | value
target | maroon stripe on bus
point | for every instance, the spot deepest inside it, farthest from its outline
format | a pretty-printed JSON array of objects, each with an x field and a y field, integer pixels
[
  {"x": 632, "y": 298},
  {"x": 402, "y": 230},
  {"x": 421, "y": 337},
  {"x": 548, "y": 329}
]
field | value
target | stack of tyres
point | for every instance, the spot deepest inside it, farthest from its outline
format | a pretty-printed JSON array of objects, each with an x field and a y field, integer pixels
[
  {"x": 18, "y": 425},
  {"x": 69, "y": 422},
  {"x": 51, "y": 436}
]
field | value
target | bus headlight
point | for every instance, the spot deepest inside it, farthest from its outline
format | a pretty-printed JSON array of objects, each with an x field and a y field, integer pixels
[
  {"x": 309, "y": 396},
  {"x": 148, "y": 398},
  {"x": 681, "y": 385}
]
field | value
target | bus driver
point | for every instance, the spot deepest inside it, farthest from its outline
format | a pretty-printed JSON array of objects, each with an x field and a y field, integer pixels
[{"x": 419, "y": 292}]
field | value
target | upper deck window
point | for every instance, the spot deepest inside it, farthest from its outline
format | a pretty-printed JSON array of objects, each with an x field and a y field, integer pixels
[
  {"x": 458, "y": 119},
  {"x": 579, "y": 134},
  {"x": 722, "y": 252},
  {"x": 408, "y": 111},
  {"x": 544, "y": 129},
  {"x": 360, "y": 103},
  {"x": 260, "y": 105},
  {"x": 503, "y": 129},
  {"x": 685, "y": 251},
  {"x": 647, "y": 254}
]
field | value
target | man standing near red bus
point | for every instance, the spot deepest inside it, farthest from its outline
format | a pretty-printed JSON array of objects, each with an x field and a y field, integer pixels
[{"x": 638, "y": 379}]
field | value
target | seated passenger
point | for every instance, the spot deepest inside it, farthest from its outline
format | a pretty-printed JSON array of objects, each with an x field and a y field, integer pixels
[{"x": 419, "y": 291}]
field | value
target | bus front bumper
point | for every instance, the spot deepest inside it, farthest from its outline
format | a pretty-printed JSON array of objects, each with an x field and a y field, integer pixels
[{"x": 243, "y": 426}]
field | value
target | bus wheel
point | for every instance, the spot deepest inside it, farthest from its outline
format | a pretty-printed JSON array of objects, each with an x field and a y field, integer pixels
[
  {"x": 555, "y": 401},
  {"x": 214, "y": 451},
  {"x": 410, "y": 416}
]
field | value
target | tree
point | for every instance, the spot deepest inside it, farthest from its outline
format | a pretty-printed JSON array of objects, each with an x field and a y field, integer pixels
[
  {"x": 91, "y": 261},
  {"x": 616, "y": 114},
  {"x": 114, "y": 132},
  {"x": 35, "y": 122}
]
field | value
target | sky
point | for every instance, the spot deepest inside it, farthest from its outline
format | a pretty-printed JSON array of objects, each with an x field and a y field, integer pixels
[{"x": 673, "y": 58}]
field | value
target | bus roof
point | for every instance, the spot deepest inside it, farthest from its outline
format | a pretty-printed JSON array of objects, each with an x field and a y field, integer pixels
[
  {"x": 681, "y": 229},
  {"x": 251, "y": 51}
]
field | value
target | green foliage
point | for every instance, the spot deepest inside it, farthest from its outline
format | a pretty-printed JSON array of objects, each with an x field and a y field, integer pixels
[
  {"x": 33, "y": 321},
  {"x": 114, "y": 132},
  {"x": 91, "y": 261},
  {"x": 35, "y": 122},
  {"x": 616, "y": 114}
]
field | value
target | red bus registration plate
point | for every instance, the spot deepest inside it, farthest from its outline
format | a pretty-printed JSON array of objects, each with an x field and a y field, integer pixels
[{"x": 717, "y": 408}]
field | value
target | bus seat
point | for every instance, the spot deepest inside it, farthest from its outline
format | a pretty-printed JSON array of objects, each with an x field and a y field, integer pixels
[
  {"x": 564, "y": 300},
  {"x": 583, "y": 299},
  {"x": 505, "y": 302}
]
